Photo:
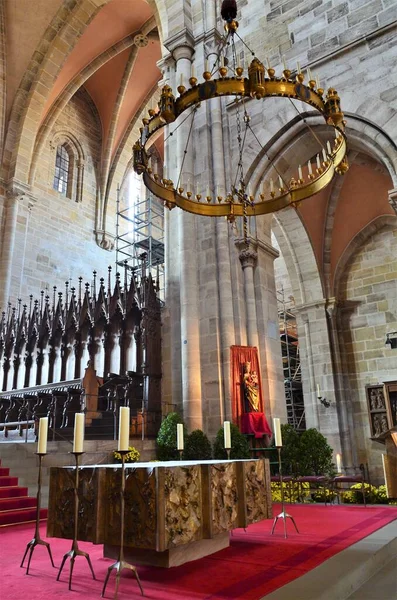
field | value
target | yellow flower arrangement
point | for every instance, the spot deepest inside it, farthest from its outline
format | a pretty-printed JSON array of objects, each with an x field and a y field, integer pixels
[{"x": 133, "y": 455}]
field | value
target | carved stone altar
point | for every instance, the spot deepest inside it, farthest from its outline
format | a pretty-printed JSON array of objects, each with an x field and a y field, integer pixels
[{"x": 175, "y": 511}]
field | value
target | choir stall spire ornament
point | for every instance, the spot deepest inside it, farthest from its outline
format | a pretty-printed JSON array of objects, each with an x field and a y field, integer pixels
[{"x": 260, "y": 84}]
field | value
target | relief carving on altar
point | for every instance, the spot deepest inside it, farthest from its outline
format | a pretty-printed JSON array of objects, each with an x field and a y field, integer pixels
[
  {"x": 140, "y": 508},
  {"x": 62, "y": 496},
  {"x": 224, "y": 497},
  {"x": 256, "y": 501},
  {"x": 183, "y": 506}
]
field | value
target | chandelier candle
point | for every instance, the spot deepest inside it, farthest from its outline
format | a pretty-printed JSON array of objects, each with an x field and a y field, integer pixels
[
  {"x": 278, "y": 440},
  {"x": 43, "y": 432},
  {"x": 78, "y": 439},
  {"x": 124, "y": 428}
]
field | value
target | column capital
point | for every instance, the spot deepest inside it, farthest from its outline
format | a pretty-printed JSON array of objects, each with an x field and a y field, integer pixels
[
  {"x": 20, "y": 192},
  {"x": 247, "y": 252},
  {"x": 393, "y": 199},
  {"x": 165, "y": 64},
  {"x": 181, "y": 45},
  {"x": 104, "y": 239}
]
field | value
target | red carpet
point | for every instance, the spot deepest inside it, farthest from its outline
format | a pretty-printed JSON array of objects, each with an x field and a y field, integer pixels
[{"x": 255, "y": 564}]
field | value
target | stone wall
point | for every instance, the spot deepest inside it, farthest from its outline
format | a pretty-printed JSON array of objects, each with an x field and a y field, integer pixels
[
  {"x": 55, "y": 238},
  {"x": 368, "y": 312}
]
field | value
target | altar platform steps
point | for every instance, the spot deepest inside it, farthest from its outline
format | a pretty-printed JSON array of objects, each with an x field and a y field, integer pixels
[
  {"x": 23, "y": 462},
  {"x": 15, "y": 504}
]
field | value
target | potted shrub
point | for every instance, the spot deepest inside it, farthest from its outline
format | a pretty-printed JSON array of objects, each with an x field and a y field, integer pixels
[
  {"x": 197, "y": 446},
  {"x": 166, "y": 437},
  {"x": 240, "y": 447}
]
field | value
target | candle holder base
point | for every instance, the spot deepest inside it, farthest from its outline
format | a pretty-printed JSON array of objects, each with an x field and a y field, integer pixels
[
  {"x": 284, "y": 515},
  {"x": 37, "y": 541},
  {"x": 72, "y": 554},
  {"x": 119, "y": 566},
  {"x": 74, "y": 551}
]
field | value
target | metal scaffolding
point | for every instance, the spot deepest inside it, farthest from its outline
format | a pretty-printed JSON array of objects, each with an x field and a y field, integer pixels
[
  {"x": 291, "y": 362},
  {"x": 141, "y": 239}
]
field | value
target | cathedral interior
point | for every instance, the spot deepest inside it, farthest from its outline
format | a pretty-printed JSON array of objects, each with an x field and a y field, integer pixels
[
  {"x": 97, "y": 270},
  {"x": 198, "y": 212}
]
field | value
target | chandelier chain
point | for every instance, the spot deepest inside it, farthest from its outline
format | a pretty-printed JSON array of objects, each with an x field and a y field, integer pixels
[
  {"x": 192, "y": 114},
  {"x": 307, "y": 124}
]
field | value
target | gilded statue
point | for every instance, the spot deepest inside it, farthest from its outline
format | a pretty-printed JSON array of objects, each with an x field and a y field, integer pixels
[{"x": 251, "y": 389}]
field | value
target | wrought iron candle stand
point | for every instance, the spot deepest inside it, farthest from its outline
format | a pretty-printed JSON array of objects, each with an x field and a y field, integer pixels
[
  {"x": 37, "y": 541},
  {"x": 121, "y": 564},
  {"x": 283, "y": 515},
  {"x": 74, "y": 551}
]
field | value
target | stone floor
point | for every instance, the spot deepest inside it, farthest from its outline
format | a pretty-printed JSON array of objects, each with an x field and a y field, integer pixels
[{"x": 365, "y": 571}]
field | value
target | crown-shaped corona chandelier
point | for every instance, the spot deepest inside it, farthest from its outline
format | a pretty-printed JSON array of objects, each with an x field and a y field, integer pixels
[{"x": 260, "y": 83}]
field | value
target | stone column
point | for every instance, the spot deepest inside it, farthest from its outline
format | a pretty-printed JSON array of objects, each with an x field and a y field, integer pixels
[
  {"x": 269, "y": 330},
  {"x": 7, "y": 247},
  {"x": 15, "y": 195},
  {"x": 346, "y": 426},
  {"x": 190, "y": 322},
  {"x": 248, "y": 257}
]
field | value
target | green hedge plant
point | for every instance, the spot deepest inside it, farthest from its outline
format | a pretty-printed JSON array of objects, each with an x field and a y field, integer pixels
[
  {"x": 240, "y": 447},
  {"x": 166, "y": 437},
  {"x": 197, "y": 446}
]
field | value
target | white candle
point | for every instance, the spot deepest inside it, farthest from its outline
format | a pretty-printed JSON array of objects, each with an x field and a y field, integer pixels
[
  {"x": 268, "y": 62},
  {"x": 278, "y": 440},
  {"x": 181, "y": 78},
  {"x": 336, "y": 134},
  {"x": 309, "y": 74},
  {"x": 284, "y": 64},
  {"x": 339, "y": 463},
  {"x": 78, "y": 439},
  {"x": 309, "y": 166},
  {"x": 222, "y": 61},
  {"x": 271, "y": 186},
  {"x": 206, "y": 64},
  {"x": 299, "y": 67},
  {"x": 318, "y": 161},
  {"x": 227, "y": 437},
  {"x": 43, "y": 432},
  {"x": 124, "y": 428},
  {"x": 192, "y": 71},
  {"x": 318, "y": 82},
  {"x": 318, "y": 391},
  {"x": 324, "y": 155},
  {"x": 179, "y": 436},
  {"x": 280, "y": 182},
  {"x": 329, "y": 148},
  {"x": 300, "y": 175}
]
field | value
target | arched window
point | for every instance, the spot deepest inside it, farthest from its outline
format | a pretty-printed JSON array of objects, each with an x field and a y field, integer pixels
[{"x": 62, "y": 170}]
